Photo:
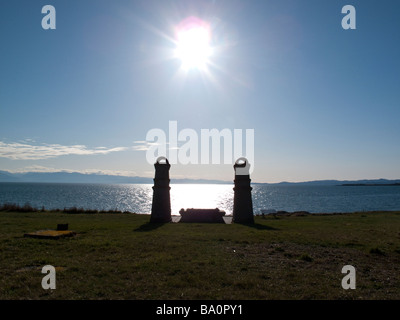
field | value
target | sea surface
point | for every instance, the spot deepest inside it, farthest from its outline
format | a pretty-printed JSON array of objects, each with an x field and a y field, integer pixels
[{"x": 138, "y": 197}]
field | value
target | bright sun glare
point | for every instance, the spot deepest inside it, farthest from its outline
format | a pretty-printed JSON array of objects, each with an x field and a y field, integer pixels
[{"x": 193, "y": 45}]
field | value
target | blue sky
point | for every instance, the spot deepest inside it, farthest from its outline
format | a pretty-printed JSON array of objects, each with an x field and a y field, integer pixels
[{"x": 323, "y": 101}]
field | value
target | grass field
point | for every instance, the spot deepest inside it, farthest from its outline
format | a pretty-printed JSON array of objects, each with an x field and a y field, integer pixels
[{"x": 122, "y": 256}]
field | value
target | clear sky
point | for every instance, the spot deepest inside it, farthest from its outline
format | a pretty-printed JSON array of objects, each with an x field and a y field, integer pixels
[{"x": 324, "y": 102}]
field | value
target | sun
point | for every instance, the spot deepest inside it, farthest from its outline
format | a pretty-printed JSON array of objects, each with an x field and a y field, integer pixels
[
  {"x": 193, "y": 48},
  {"x": 193, "y": 44}
]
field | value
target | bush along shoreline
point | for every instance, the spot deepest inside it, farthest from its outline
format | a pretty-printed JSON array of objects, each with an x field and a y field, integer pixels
[{"x": 12, "y": 207}]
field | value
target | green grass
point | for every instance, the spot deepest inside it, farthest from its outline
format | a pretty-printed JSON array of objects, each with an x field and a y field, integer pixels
[{"x": 122, "y": 256}]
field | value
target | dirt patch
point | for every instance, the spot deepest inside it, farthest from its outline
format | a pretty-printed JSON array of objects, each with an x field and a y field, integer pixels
[{"x": 50, "y": 234}]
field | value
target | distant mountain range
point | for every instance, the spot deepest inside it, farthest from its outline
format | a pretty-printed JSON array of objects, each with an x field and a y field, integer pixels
[
  {"x": 76, "y": 177},
  {"x": 373, "y": 182}
]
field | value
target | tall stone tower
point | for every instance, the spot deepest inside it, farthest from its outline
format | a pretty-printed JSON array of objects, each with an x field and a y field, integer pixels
[
  {"x": 242, "y": 202},
  {"x": 161, "y": 207}
]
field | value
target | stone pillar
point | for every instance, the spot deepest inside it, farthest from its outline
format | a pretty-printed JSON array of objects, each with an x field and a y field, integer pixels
[
  {"x": 161, "y": 207},
  {"x": 242, "y": 202}
]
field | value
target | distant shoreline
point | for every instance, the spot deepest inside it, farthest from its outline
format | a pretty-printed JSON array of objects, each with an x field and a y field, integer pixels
[
  {"x": 370, "y": 185},
  {"x": 76, "y": 177}
]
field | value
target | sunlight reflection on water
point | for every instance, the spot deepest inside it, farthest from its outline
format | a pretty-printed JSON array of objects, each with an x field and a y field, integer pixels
[
  {"x": 201, "y": 196},
  {"x": 138, "y": 197}
]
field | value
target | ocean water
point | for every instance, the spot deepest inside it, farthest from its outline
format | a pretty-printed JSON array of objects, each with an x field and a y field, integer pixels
[{"x": 138, "y": 197}]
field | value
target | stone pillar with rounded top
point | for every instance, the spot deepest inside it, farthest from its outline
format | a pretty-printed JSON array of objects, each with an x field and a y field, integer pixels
[
  {"x": 242, "y": 202},
  {"x": 161, "y": 207}
]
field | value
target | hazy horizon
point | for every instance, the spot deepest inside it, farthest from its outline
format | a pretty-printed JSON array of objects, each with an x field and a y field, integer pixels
[{"x": 130, "y": 179}]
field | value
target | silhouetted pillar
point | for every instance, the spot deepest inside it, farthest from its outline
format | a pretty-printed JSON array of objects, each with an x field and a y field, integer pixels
[
  {"x": 161, "y": 207},
  {"x": 242, "y": 202}
]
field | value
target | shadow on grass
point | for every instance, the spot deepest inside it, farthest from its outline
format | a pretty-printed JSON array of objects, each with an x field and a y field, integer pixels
[
  {"x": 257, "y": 226},
  {"x": 149, "y": 226}
]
